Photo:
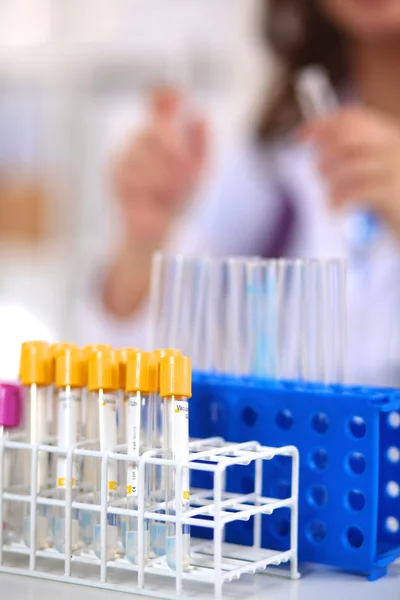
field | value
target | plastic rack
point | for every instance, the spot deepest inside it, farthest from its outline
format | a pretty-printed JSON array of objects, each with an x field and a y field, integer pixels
[
  {"x": 213, "y": 563},
  {"x": 349, "y": 444}
]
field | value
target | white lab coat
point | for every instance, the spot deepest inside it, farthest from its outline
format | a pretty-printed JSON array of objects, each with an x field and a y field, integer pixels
[{"x": 239, "y": 215}]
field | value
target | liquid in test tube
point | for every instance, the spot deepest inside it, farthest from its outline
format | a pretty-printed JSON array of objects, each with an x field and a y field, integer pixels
[
  {"x": 70, "y": 379},
  {"x": 140, "y": 429},
  {"x": 10, "y": 417},
  {"x": 36, "y": 377},
  {"x": 176, "y": 389},
  {"x": 103, "y": 387},
  {"x": 158, "y": 530}
]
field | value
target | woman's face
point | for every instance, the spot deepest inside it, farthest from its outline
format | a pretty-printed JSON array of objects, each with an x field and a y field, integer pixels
[{"x": 365, "y": 19}]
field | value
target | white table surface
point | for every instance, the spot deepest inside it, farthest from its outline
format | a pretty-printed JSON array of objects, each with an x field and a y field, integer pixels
[{"x": 317, "y": 583}]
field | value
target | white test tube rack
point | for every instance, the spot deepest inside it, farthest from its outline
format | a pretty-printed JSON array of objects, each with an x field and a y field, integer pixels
[{"x": 214, "y": 562}]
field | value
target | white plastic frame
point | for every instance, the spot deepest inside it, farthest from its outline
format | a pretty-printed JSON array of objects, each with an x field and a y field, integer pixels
[{"x": 216, "y": 562}]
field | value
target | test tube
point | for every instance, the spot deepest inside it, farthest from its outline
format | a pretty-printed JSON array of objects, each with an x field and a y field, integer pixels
[
  {"x": 103, "y": 387},
  {"x": 90, "y": 419},
  {"x": 70, "y": 379},
  {"x": 176, "y": 389},
  {"x": 36, "y": 377},
  {"x": 140, "y": 429},
  {"x": 123, "y": 355},
  {"x": 10, "y": 416},
  {"x": 158, "y": 532}
]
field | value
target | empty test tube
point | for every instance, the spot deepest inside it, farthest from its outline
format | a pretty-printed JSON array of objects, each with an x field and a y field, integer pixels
[
  {"x": 70, "y": 379},
  {"x": 10, "y": 416},
  {"x": 103, "y": 387},
  {"x": 140, "y": 428},
  {"x": 176, "y": 389}
]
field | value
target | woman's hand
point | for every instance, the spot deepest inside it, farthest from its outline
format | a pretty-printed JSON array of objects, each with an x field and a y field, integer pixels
[
  {"x": 156, "y": 173},
  {"x": 359, "y": 157},
  {"x": 152, "y": 179}
]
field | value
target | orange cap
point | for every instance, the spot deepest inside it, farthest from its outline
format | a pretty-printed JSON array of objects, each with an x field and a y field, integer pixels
[
  {"x": 157, "y": 355},
  {"x": 55, "y": 351},
  {"x": 123, "y": 355},
  {"x": 175, "y": 376},
  {"x": 103, "y": 371},
  {"x": 70, "y": 368},
  {"x": 138, "y": 372},
  {"x": 35, "y": 364}
]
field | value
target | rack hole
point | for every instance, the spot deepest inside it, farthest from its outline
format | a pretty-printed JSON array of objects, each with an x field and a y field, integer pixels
[
  {"x": 393, "y": 489},
  {"x": 355, "y": 537},
  {"x": 392, "y": 524},
  {"x": 318, "y": 495},
  {"x": 249, "y": 416},
  {"x": 357, "y": 427},
  {"x": 247, "y": 485},
  {"x": 282, "y": 527},
  {"x": 316, "y": 531},
  {"x": 393, "y": 454},
  {"x": 394, "y": 420},
  {"x": 284, "y": 419},
  {"x": 320, "y": 423},
  {"x": 356, "y": 500},
  {"x": 357, "y": 463},
  {"x": 319, "y": 459}
]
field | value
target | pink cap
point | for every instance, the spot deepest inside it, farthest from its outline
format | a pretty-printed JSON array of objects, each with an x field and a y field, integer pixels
[{"x": 10, "y": 405}]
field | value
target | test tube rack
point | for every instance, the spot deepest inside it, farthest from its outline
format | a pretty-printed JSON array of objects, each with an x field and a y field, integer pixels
[
  {"x": 349, "y": 444},
  {"x": 212, "y": 562}
]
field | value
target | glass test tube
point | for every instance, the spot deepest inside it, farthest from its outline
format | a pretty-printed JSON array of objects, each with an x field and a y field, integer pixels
[
  {"x": 103, "y": 387},
  {"x": 158, "y": 531},
  {"x": 70, "y": 379},
  {"x": 36, "y": 377},
  {"x": 175, "y": 389},
  {"x": 10, "y": 416},
  {"x": 140, "y": 429}
]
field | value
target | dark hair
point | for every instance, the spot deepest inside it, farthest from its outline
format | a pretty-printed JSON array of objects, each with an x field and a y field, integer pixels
[{"x": 299, "y": 34}]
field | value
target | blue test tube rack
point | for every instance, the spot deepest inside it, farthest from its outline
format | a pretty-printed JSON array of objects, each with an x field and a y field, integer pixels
[{"x": 349, "y": 444}]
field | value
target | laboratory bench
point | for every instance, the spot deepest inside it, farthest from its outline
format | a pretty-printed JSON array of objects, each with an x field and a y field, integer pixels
[{"x": 316, "y": 583}]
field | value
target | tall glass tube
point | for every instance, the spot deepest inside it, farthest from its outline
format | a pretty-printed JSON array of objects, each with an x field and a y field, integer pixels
[
  {"x": 175, "y": 389},
  {"x": 140, "y": 431},
  {"x": 36, "y": 377},
  {"x": 103, "y": 386},
  {"x": 70, "y": 379}
]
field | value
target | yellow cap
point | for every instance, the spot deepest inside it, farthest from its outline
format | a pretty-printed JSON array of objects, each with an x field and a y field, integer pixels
[
  {"x": 157, "y": 355},
  {"x": 175, "y": 376},
  {"x": 88, "y": 350},
  {"x": 138, "y": 372},
  {"x": 70, "y": 368},
  {"x": 35, "y": 364},
  {"x": 55, "y": 351},
  {"x": 103, "y": 371},
  {"x": 123, "y": 355}
]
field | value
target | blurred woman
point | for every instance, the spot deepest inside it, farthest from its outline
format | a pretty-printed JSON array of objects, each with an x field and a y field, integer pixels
[{"x": 283, "y": 192}]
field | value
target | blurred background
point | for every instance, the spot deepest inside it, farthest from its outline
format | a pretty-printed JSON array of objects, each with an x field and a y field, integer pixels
[{"x": 74, "y": 78}]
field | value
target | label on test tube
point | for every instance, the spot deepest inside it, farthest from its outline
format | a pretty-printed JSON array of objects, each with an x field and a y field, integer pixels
[
  {"x": 133, "y": 444},
  {"x": 181, "y": 442},
  {"x": 108, "y": 434},
  {"x": 69, "y": 415}
]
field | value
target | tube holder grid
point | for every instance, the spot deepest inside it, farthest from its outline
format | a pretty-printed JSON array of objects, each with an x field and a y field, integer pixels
[{"x": 212, "y": 562}]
